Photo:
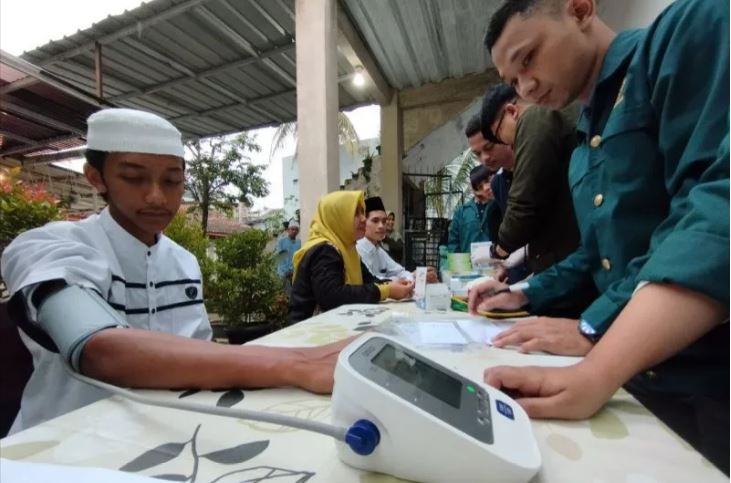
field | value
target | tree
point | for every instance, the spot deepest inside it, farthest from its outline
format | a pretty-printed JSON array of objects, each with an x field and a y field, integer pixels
[
  {"x": 347, "y": 135},
  {"x": 220, "y": 174}
]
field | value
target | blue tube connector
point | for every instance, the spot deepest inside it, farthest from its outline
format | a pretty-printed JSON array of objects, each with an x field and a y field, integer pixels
[{"x": 363, "y": 437}]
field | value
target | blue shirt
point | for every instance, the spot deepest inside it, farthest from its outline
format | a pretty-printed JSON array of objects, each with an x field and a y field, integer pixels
[{"x": 285, "y": 251}]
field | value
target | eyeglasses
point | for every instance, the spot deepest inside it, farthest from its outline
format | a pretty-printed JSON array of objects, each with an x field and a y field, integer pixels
[{"x": 496, "y": 132}]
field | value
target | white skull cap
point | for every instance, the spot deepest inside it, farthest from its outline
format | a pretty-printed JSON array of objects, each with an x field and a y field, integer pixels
[{"x": 132, "y": 131}]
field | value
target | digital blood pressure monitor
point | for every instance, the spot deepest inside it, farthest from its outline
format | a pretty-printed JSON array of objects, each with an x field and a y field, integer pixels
[{"x": 434, "y": 425}]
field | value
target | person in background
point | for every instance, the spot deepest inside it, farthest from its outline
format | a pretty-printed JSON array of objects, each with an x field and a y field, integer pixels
[
  {"x": 286, "y": 247},
  {"x": 328, "y": 272},
  {"x": 470, "y": 221},
  {"x": 650, "y": 183},
  {"x": 393, "y": 243},
  {"x": 373, "y": 256},
  {"x": 499, "y": 158},
  {"x": 116, "y": 300}
]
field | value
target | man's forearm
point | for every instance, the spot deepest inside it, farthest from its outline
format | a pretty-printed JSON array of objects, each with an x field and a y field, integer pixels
[
  {"x": 147, "y": 359},
  {"x": 659, "y": 321}
]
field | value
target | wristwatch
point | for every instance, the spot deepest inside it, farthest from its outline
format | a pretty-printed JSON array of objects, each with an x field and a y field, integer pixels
[{"x": 588, "y": 332}]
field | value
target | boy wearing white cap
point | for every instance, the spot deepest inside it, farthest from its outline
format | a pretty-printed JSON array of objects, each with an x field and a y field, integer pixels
[{"x": 117, "y": 300}]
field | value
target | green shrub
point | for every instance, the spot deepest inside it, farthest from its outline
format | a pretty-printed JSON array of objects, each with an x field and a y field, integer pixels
[
  {"x": 246, "y": 287},
  {"x": 23, "y": 206},
  {"x": 189, "y": 235}
]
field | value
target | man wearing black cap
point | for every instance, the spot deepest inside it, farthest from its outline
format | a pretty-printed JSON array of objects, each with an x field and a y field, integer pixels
[{"x": 373, "y": 256}]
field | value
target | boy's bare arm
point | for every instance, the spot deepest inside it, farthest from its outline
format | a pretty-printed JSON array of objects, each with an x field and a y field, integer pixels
[{"x": 147, "y": 359}]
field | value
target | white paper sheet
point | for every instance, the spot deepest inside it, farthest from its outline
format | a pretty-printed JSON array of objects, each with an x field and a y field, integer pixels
[
  {"x": 429, "y": 332},
  {"x": 482, "y": 331}
]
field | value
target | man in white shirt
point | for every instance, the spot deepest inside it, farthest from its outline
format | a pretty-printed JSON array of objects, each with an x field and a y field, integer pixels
[
  {"x": 372, "y": 254},
  {"x": 116, "y": 300}
]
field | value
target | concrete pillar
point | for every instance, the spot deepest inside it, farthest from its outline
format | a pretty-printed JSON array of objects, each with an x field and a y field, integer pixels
[
  {"x": 391, "y": 151},
  {"x": 317, "y": 103}
]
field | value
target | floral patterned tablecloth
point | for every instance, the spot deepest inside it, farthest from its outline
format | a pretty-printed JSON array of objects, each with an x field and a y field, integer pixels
[{"x": 622, "y": 443}]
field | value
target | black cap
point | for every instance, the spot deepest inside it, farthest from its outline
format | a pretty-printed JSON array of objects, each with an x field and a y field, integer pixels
[{"x": 374, "y": 204}]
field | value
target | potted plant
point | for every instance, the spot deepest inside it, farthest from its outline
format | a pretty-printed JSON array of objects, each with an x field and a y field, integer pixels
[{"x": 245, "y": 289}]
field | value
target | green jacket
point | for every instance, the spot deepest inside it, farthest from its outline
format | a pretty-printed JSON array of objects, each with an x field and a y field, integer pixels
[
  {"x": 650, "y": 183},
  {"x": 468, "y": 226},
  {"x": 540, "y": 210}
]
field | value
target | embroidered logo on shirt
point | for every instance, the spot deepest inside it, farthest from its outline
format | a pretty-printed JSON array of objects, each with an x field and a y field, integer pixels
[{"x": 191, "y": 292}]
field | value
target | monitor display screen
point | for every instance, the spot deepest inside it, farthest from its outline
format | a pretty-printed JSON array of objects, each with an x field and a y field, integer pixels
[{"x": 412, "y": 371}]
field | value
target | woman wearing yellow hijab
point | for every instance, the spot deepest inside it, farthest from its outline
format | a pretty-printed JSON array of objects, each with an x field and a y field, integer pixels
[{"x": 327, "y": 269}]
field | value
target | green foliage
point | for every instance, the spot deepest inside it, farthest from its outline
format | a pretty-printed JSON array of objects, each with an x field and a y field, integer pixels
[
  {"x": 244, "y": 249},
  {"x": 190, "y": 236},
  {"x": 22, "y": 207},
  {"x": 453, "y": 179},
  {"x": 220, "y": 173},
  {"x": 347, "y": 135},
  {"x": 246, "y": 287},
  {"x": 275, "y": 221}
]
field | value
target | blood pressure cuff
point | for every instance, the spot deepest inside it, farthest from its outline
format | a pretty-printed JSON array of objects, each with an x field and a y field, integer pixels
[{"x": 71, "y": 315}]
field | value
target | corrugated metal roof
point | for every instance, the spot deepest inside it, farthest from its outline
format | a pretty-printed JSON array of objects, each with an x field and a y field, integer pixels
[
  {"x": 39, "y": 113},
  {"x": 421, "y": 41},
  {"x": 210, "y": 66},
  {"x": 219, "y": 66}
]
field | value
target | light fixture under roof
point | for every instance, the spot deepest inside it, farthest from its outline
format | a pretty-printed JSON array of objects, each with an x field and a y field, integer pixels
[{"x": 358, "y": 77}]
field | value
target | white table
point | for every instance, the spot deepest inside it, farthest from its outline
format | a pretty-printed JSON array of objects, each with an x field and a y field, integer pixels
[{"x": 622, "y": 443}]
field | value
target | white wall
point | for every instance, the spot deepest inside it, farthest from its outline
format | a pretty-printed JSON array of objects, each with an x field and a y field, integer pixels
[
  {"x": 629, "y": 14},
  {"x": 349, "y": 165},
  {"x": 442, "y": 145}
]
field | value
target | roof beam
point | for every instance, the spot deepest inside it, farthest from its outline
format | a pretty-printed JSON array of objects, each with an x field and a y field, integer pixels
[
  {"x": 352, "y": 46},
  {"x": 36, "y": 74},
  {"x": 18, "y": 137},
  {"x": 43, "y": 143},
  {"x": 271, "y": 19},
  {"x": 203, "y": 74},
  {"x": 192, "y": 75},
  {"x": 136, "y": 27},
  {"x": 227, "y": 107},
  {"x": 241, "y": 42},
  {"x": 27, "y": 112},
  {"x": 55, "y": 157}
]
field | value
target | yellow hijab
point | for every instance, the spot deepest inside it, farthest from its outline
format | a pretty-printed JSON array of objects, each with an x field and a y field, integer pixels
[{"x": 333, "y": 223}]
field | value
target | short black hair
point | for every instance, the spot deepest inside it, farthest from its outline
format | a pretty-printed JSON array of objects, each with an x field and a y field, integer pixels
[
  {"x": 478, "y": 174},
  {"x": 495, "y": 98},
  {"x": 510, "y": 8},
  {"x": 96, "y": 159},
  {"x": 473, "y": 126}
]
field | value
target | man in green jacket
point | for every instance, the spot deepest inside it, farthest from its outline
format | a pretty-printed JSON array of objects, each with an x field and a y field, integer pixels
[
  {"x": 650, "y": 183},
  {"x": 470, "y": 221}
]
